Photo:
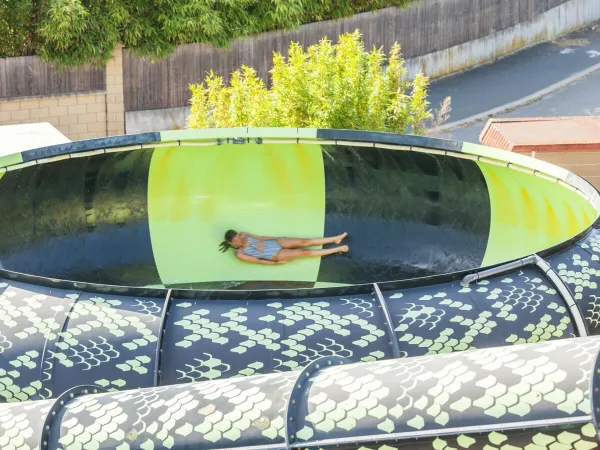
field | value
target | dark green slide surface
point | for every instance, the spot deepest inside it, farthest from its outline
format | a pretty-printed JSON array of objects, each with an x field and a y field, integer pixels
[
  {"x": 155, "y": 217},
  {"x": 408, "y": 214},
  {"x": 83, "y": 219}
]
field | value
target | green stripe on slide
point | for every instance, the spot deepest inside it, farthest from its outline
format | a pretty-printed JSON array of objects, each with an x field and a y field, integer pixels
[
  {"x": 9, "y": 160},
  {"x": 196, "y": 193},
  {"x": 529, "y": 214}
]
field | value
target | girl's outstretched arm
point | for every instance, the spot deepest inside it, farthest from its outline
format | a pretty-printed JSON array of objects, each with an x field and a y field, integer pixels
[{"x": 252, "y": 259}]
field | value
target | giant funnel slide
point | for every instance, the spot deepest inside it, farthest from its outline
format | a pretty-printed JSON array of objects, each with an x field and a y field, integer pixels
[{"x": 111, "y": 277}]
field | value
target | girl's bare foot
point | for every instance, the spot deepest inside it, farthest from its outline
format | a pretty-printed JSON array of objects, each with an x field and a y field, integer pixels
[
  {"x": 340, "y": 238},
  {"x": 343, "y": 248}
]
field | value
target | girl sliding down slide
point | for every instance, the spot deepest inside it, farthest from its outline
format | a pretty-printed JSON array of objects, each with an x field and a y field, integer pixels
[{"x": 273, "y": 250}]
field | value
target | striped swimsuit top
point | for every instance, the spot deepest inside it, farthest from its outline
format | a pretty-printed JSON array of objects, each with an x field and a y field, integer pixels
[{"x": 271, "y": 247}]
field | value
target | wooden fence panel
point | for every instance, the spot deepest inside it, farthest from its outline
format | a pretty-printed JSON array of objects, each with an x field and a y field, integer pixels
[
  {"x": 27, "y": 76},
  {"x": 427, "y": 27}
]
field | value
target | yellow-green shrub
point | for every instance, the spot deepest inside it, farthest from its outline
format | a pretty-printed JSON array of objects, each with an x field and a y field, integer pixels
[{"x": 327, "y": 86}]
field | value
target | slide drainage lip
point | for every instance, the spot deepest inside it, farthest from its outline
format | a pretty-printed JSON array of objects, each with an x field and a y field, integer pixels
[{"x": 242, "y": 136}]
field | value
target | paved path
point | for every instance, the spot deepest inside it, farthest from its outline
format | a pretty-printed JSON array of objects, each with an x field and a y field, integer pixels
[{"x": 518, "y": 75}]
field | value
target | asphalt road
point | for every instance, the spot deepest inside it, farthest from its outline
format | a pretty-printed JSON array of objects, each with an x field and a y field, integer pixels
[
  {"x": 518, "y": 75},
  {"x": 581, "y": 98}
]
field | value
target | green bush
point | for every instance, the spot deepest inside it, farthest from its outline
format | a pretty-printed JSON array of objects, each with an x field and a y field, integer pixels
[
  {"x": 77, "y": 32},
  {"x": 327, "y": 86}
]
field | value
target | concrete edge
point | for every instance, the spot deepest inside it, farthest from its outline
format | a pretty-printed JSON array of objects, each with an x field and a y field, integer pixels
[{"x": 538, "y": 95}]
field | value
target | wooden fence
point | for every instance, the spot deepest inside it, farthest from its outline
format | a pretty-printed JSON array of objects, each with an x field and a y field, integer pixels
[
  {"x": 27, "y": 76},
  {"x": 423, "y": 28}
]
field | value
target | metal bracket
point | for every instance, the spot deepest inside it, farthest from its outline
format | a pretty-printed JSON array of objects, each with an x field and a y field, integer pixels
[
  {"x": 550, "y": 274},
  {"x": 291, "y": 413},
  {"x": 473, "y": 277},
  {"x": 565, "y": 293},
  {"x": 59, "y": 404},
  {"x": 50, "y": 348},
  {"x": 161, "y": 335},
  {"x": 388, "y": 321}
]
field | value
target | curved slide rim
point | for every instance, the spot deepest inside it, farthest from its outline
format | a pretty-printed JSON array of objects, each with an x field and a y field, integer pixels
[{"x": 391, "y": 141}]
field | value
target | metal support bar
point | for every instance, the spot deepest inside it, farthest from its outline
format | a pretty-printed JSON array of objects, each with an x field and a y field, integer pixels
[
  {"x": 58, "y": 405},
  {"x": 595, "y": 393},
  {"x": 161, "y": 334},
  {"x": 49, "y": 351},
  {"x": 354, "y": 442},
  {"x": 297, "y": 394},
  {"x": 565, "y": 293},
  {"x": 473, "y": 277},
  {"x": 388, "y": 321}
]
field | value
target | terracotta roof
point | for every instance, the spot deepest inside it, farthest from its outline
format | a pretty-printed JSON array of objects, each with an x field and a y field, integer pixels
[{"x": 542, "y": 134}]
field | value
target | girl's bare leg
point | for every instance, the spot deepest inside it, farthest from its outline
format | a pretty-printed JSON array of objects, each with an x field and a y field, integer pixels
[
  {"x": 291, "y": 254},
  {"x": 291, "y": 243}
]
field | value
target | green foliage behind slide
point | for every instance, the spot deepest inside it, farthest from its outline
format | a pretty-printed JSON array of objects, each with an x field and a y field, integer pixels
[{"x": 77, "y": 32}]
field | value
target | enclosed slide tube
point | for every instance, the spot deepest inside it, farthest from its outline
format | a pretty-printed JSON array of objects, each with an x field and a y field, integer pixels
[{"x": 537, "y": 396}]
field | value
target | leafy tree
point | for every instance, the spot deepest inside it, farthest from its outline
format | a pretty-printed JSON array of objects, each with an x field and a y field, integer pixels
[
  {"x": 77, "y": 32},
  {"x": 327, "y": 86},
  {"x": 17, "y": 35}
]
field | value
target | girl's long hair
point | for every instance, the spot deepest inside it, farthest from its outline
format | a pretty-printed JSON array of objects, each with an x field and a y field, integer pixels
[{"x": 226, "y": 244}]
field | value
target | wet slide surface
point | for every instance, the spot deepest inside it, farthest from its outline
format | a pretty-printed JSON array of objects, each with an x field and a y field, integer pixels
[{"x": 155, "y": 217}]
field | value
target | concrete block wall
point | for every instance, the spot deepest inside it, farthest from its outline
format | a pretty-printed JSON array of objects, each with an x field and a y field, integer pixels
[
  {"x": 115, "y": 106},
  {"x": 78, "y": 116}
]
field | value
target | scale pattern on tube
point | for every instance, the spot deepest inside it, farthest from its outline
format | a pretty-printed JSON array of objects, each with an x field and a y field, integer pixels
[
  {"x": 28, "y": 318},
  {"x": 501, "y": 385},
  {"x": 223, "y": 338},
  {"x": 515, "y": 308},
  {"x": 73, "y": 338},
  {"x": 250, "y": 410},
  {"x": 21, "y": 424},
  {"x": 96, "y": 339},
  {"x": 579, "y": 268}
]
